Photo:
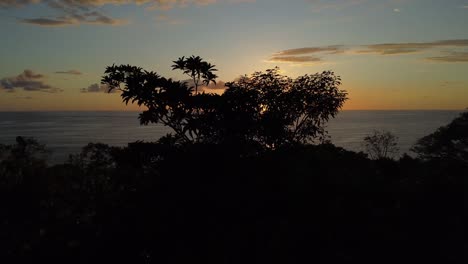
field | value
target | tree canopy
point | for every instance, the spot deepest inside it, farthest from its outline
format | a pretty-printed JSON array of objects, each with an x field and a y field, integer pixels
[{"x": 265, "y": 109}]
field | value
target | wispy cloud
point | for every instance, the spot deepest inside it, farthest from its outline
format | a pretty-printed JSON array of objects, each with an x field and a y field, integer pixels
[
  {"x": 451, "y": 51},
  {"x": 16, "y": 3},
  {"x": 308, "y": 50},
  {"x": 405, "y": 48},
  {"x": 295, "y": 59},
  {"x": 303, "y": 55},
  {"x": 47, "y": 22},
  {"x": 451, "y": 57},
  {"x": 75, "y": 12},
  {"x": 319, "y": 5},
  {"x": 87, "y": 4},
  {"x": 72, "y": 72},
  {"x": 97, "y": 88},
  {"x": 67, "y": 21},
  {"x": 28, "y": 81}
]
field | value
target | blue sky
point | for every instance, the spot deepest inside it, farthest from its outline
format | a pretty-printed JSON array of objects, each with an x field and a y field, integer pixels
[{"x": 391, "y": 54}]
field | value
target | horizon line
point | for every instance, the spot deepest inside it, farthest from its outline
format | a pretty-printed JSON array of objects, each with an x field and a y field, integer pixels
[{"x": 84, "y": 111}]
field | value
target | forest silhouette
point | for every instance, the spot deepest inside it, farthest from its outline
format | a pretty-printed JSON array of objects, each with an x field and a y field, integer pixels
[{"x": 246, "y": 177}]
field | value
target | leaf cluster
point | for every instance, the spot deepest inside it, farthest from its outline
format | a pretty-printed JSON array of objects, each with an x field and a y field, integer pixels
[{"x": 197, "y": 69}]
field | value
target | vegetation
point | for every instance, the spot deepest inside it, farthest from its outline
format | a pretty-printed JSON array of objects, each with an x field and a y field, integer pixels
[
  {"x": 293, "y": 202},
  {"x": 381, "y": 144},
  {"x": 448, "y": 142},
  {"x": 266, "y": 109},
  {"x": 20, "y": 159},
  {"x": 199, "y": 71}
]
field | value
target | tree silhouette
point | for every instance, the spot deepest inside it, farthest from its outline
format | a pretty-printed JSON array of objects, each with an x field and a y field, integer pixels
[
  {"x": 448, "y": 142},
  {"x": 265, "y": 109},
  {"x": 168, "y": 102},
  {"x": 197, "y": 69},
  {"x": 381, "y": 144},
  {"x": 279, "y": 110}
]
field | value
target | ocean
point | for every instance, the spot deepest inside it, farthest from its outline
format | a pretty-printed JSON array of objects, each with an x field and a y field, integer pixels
[{"x": 66, "y": 133}]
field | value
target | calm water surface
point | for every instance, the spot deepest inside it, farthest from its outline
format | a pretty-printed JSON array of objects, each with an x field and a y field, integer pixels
[{"x": 67, "y": 132}]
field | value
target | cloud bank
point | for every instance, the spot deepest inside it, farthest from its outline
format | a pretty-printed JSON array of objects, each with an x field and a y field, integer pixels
[
  {"x": 450, "y": 51},
  {"x": 75, "y": 12},
  {"x": 295, "y": 59},
  {"x": 405, "y": 48},
  {"x": 303, "y": 55},
  {"x": 17, "y": 3},
  {"x": 451, "y": 57},
  {"x": 97, "y": 88},
  {"x": 308, "y": 50},
  {"x": 28, "y": 81}
]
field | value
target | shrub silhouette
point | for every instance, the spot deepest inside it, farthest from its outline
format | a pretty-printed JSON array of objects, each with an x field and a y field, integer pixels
[{"x": 265, "y": 109}]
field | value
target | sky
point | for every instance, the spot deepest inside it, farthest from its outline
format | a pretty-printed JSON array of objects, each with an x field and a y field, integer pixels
[{"x": 390, "y": 54}]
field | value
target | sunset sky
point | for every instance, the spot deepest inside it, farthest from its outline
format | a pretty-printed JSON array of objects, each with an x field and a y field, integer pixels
[{"x": 391, "y": 54}]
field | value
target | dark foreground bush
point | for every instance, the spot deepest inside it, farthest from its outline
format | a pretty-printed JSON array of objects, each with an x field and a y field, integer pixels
[{"x": 158, "y": 203}]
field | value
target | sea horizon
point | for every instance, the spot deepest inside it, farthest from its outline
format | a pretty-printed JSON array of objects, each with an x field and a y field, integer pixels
[
  {"x": 342, "y": 110},
  {"x": 66, "y": 132}
]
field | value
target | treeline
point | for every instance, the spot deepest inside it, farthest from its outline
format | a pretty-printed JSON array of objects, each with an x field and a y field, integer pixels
[{"x": 205, "y": 203}]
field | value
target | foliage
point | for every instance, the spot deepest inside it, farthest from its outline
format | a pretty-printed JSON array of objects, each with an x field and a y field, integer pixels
[
  {"x": 25, "y": 149},
  {"x": 276, "y": 110},
  {"x": 265, "y": 109},
  {"x": 94, "y": 156},
  {"x": 448, "y": 142},
  {"x": 164, "y": 203},
  {"x": 171, "y": 103},
  {"x": 303, "y": 203},
  {"x": 95, "y": 161},
  {"x": 381, "y": 144},
  {"x": 197, "y": 69},
  {"x": 21, "y": 158}
]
